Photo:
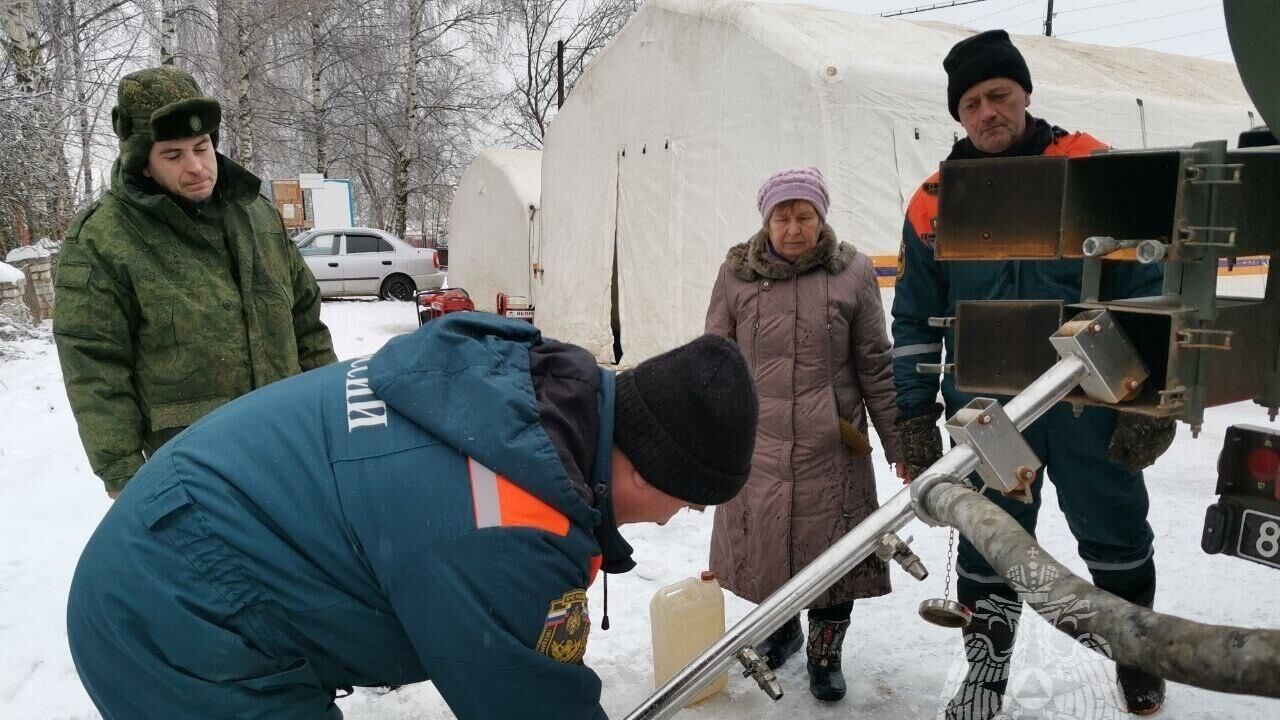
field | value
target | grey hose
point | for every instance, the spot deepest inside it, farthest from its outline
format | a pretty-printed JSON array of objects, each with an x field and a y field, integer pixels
[{"x": 1215, "y": 657}]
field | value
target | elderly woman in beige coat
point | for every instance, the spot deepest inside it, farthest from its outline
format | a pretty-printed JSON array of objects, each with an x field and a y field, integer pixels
[{"x": 805, "y": 310}]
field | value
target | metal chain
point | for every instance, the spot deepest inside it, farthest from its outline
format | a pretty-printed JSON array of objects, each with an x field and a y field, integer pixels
[{"x": 951, "y": 542}]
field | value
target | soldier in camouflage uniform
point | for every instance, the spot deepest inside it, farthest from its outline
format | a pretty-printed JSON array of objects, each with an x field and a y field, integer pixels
[{"x": 178, "y": 290}]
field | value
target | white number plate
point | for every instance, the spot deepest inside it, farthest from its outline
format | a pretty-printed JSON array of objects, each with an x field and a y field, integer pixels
[
  {"x": 1260, "y": 538},
  {"x": 520, "y": 314}
]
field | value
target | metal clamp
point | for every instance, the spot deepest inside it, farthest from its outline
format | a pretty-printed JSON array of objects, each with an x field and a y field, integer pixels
[
  {"x": 892, "y": 547},
  {"x": 1173, "y": 397},
  {"x": 1231, "y": 174},
  {"x": 920, "y": 489},
  {"x": 1190, "y": 235},
  {"x": 758, "y": 669},
  {"x": 1202, "y": 339},
  {"x": 1006, "y": 463}
]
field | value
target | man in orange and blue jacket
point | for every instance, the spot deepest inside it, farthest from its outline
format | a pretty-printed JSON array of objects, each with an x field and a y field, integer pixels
[{"x": 1095, "y": 460}]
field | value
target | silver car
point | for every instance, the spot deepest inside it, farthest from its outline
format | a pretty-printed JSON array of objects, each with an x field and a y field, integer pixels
[{"x": 365, "y": 261}]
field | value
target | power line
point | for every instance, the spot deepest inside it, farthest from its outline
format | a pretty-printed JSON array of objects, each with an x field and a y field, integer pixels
[
  {"x": 1220, "y": 52},
  {"x": 1142, "y": 20},
  {"x": 1095, "y": 7},
  {"x": 997, "y": 12},
  {"x": 1174, "y": 37},
  {"x": 927, "y": 8}
]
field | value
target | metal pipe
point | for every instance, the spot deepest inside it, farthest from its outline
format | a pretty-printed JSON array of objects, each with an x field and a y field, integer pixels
[
  {"x": 857, "y": 545},
  {"x": 791, "y": 598},
  {"x": 1027, "y": 406},
  {"x": 1215, "y": 657}
]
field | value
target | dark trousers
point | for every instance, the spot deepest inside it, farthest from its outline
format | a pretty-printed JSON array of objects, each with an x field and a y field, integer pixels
[{"x": 1105, "y": 505}]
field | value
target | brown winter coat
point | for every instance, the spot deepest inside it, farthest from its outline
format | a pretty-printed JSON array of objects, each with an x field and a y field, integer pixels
[{"x": 813, "y": 333}]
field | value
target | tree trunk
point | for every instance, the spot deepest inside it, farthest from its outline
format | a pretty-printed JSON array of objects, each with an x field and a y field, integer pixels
[
  {"x": 317, "y": 100},
  {"x": 404, "y": 152},
  {"x": 35, "y": 196},
  {"x": 168, "y": 12},
  {"x": 82, "y": 100},
  {"x": 243, "y": 107}
]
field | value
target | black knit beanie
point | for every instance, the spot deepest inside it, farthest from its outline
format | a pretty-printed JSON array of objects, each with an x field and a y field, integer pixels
[
  {"x": 686, "y": 420},
  {"x": 984, "y": 56}
]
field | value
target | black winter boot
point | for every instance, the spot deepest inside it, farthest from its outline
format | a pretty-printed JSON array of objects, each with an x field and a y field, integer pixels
[
  {"x": 1143, "y": 692},
  {"x": 988, "y": 646},
  {"x": 782, "y": 644},
  {"x": 826, "y": 682}
]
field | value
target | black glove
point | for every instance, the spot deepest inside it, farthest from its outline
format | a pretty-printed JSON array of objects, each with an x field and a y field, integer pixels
[
  {"x": 921, "y": 440},
  {"x": 1139, "y": 439}
]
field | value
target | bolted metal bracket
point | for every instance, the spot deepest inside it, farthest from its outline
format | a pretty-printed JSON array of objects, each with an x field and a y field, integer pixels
[
  {"x": 1006, "y": 463},
  {"x": 1173, "y": 397},
  {"x": 1204, "y": 339},
  {"x": 892, "y": 547},
  {"x": 1116, "y": 372},
  {"x": 758, "y": 669},
  {"x": 1223, "y": 173},
  {"x": 1202, "y": 236}
]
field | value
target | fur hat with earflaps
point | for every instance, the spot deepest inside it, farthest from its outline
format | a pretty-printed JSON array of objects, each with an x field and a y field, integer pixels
[{"x": 156, "y": 104}]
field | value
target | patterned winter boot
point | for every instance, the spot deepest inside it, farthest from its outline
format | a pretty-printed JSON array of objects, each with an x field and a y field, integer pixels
[
  {"x": 988, "y": 646},
  {"x": 782, "y": 644},
  {"x": 826, "y": 682}
]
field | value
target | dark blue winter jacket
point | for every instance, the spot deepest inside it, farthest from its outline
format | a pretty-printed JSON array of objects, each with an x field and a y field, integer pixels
[{"x": 433, "y": 512}]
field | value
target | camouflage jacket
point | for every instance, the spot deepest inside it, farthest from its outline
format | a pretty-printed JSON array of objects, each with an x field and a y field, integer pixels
[{"x": 161, "y": 315}]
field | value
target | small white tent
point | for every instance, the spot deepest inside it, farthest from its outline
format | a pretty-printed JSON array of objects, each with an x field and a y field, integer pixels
[
  {"x": 493, "y": 225},
  {"x": 659, "y": 151}
]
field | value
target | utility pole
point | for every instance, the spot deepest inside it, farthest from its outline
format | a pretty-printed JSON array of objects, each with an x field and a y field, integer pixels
[
  {"x": 559, "y": 74},
  {"x": 1048, "y": 20}
]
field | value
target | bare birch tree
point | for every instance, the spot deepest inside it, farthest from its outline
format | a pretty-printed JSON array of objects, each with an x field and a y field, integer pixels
[{"x": 536, "y": 28}]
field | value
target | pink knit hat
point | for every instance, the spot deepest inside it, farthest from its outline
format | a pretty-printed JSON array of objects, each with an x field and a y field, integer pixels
[{"x": 794, "y": 184}]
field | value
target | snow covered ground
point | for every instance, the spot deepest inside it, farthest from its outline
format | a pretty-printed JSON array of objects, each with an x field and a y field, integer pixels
[{"x": 897, "y": 666}]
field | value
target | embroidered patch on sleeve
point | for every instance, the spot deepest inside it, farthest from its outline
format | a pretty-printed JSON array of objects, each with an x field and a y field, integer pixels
[
  {"x": 902, "y": 261},
  {"x": 564, "y": 635}
]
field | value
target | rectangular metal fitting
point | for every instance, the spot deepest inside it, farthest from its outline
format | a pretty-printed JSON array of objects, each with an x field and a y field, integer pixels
[
  {"x": 1007, "y": 208},
  {"x": 1116, "y": 372},
  {"x": 1001, "y": 346},
  {"x": 1006, "y": 462}
]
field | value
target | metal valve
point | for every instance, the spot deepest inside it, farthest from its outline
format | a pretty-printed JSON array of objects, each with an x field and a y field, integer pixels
[
  {"x": 893, "y": 547},
  {"x": 757, "y": 668}
]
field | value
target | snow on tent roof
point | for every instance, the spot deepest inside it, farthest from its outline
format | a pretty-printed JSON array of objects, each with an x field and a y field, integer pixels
[
  {"x": 492, "y": 232},
  {"x": 26, "y": 252},
  {"x": 659, "y": 150},
  {"x": 11, "y": 274}
]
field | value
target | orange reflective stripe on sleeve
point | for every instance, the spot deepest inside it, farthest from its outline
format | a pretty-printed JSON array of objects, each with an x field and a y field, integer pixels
[
  {"x": 498, "y": 502},
  {"x": 520, "y": 508}
]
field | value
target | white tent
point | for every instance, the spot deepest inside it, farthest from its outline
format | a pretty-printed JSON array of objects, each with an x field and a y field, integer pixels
[
  {"x": 493, "y": 225},
  {"x": 662, "y": 145}
]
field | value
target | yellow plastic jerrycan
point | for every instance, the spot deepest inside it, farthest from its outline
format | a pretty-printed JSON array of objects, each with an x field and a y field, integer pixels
[{"x": 686, "y": 618}]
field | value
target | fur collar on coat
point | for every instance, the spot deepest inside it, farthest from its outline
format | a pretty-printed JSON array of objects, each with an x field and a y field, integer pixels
[{"x": 751, "y": 260}]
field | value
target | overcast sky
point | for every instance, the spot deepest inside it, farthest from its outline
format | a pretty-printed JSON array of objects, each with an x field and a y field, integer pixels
[{"x": 1186, "y": 27}]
